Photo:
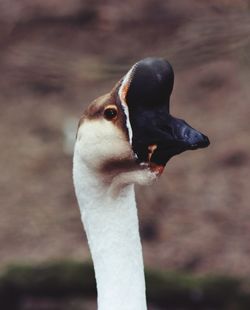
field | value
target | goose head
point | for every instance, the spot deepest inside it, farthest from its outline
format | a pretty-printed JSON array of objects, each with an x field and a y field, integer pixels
[{"x": 132, "y": 126}]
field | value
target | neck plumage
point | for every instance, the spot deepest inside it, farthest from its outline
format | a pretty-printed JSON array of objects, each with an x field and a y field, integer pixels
[{"x": 111, "y": 225}]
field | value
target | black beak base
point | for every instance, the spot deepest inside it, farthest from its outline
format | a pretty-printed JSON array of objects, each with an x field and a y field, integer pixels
[{"x": 153, "y": 127}]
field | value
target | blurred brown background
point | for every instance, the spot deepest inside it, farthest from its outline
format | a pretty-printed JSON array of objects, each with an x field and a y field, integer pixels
[{"x": 57, "y": 56}]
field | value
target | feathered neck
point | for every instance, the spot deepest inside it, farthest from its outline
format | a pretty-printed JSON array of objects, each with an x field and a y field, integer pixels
[{"x": 111, "y": 225}]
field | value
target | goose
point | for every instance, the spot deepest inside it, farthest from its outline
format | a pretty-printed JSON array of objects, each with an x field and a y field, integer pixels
[{"x": 125, "y": 137}]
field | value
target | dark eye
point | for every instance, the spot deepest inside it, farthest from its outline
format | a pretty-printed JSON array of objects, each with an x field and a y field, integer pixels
[{"x": 110, "y": 113}]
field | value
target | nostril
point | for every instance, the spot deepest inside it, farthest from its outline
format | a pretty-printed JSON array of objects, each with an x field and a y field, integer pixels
[{"x": 187, "y": 134}]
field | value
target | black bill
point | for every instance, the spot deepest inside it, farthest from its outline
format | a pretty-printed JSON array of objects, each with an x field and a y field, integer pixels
[{"x": 157, "y": 136}]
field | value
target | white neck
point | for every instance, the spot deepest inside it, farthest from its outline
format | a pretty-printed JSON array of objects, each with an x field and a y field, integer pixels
[{"x": 111, "y": 225}]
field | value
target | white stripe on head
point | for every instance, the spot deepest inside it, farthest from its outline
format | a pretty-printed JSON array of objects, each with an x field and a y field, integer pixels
[{"x": 122, "y": 95}]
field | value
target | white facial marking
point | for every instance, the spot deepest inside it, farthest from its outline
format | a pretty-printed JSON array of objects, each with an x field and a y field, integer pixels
[
  {"x": 122, "y": 93},
  {"x": 99, "y": 140}
]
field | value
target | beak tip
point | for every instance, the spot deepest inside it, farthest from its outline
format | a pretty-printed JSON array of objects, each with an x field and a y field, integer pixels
[
  {"x": 205, "y": 142},
  {"x": 200, "y": 141}
]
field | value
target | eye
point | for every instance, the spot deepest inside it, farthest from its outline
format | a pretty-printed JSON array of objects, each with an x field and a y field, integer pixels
[{"x": 110, "y": 113}]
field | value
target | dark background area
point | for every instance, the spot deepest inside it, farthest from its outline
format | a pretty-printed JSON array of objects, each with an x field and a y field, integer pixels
[{"x": 56, "y": 56}]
